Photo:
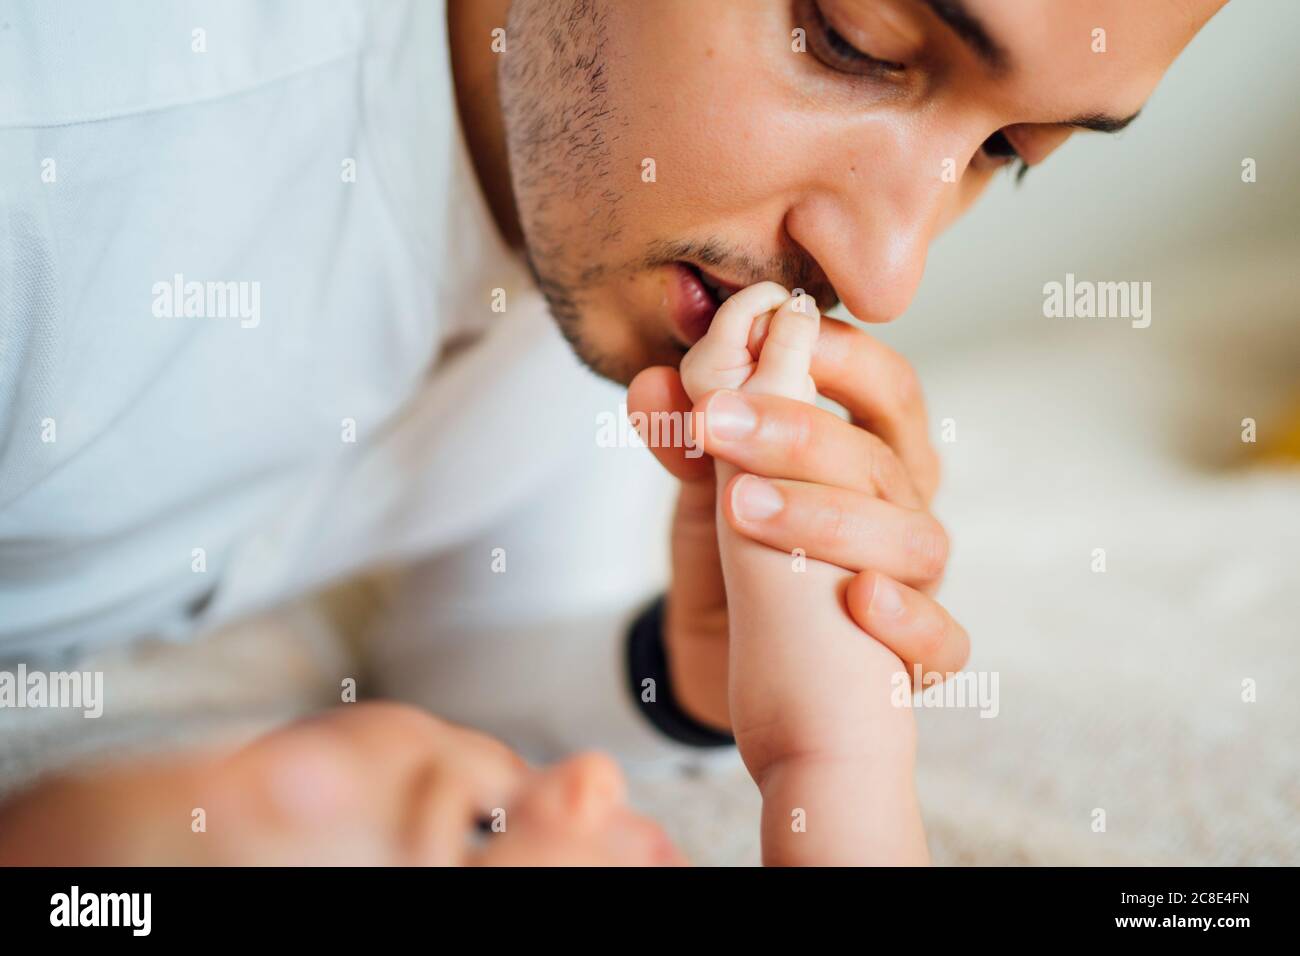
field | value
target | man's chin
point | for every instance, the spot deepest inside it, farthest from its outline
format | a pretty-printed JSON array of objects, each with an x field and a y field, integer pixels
[{"x": 619, "y": 357}]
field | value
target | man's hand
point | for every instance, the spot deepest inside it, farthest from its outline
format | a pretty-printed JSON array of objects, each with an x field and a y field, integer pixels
[
  {"x": 364, "y": 784},
  {"x": 854, "y": 493}
]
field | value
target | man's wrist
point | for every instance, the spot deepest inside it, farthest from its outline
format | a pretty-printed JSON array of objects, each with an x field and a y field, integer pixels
[
  {"x": 654, "y": 683},
  {"x": 697, "y": 663}
]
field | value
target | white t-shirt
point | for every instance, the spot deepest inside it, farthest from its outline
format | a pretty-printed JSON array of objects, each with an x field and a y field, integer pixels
[{"x": 249, "y": 347}]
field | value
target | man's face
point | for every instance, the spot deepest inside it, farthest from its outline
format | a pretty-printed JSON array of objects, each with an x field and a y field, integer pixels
[{"x": 665, "y": 152}]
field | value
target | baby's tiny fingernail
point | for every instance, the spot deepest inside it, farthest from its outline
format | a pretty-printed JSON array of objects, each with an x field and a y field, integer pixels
[
  {"x": 754, "y": 499},
  {"x": 729, "y": 417},
  {"x": 804, "y": 304}
]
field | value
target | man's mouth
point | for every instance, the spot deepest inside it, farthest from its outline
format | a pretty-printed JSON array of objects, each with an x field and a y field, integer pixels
[
  {"x": 720, "y": 290},
  {"x": 694, "y": 298}
]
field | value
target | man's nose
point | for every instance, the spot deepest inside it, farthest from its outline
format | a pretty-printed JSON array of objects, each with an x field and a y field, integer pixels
[{"x": 872, "y": 214}]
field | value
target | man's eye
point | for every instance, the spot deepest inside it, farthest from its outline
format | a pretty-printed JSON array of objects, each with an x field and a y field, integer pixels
[{"x": 830, "y": 46}]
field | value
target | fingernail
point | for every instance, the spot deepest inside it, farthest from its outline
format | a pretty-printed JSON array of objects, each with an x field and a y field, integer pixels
[
  {"x": 886, "y": 599},
  {"x": 753, "y": 499},
  {"x": 729, "y": 417},
  {"x": 805, "y": 304}
]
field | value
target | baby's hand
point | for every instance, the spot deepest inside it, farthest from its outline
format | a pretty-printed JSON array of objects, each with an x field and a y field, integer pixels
[
  {"x": 762, "y": 320},
  {"x": 809, "y": 697}
]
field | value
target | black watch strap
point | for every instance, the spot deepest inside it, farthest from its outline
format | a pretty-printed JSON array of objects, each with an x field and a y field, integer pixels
[{"x": 647, "y": 661}]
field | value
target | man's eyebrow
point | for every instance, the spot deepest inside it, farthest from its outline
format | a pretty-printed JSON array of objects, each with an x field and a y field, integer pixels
[
  {"x": 1101, "y": 123},
  {"x": 970, "y": 31},
  {"x": 975, "y": 35}
]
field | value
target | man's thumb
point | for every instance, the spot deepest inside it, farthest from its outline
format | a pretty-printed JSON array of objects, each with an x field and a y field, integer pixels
[{"x": 661, "y": 411}]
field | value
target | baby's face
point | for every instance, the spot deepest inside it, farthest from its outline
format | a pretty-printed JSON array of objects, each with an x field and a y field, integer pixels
[
  {"x": 364, "y": 785},
  {"x": 292, "y": 801},
  {"x": 576, "y": 814}
]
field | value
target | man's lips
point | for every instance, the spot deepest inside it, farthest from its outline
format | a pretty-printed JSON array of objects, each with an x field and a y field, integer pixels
[{"x": 694, "y": 297}]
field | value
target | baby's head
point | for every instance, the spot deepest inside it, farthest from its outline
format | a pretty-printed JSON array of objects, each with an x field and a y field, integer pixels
[
  {"x": 297, "y": 797},
  {"x": 365, "y": 784}
]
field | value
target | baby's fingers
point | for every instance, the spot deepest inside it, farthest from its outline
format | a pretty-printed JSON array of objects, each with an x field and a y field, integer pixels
[
  {"x": 786, "y": 357},
  {"x": 729, "y": 330},
  {"x": 722, "y": 359}
]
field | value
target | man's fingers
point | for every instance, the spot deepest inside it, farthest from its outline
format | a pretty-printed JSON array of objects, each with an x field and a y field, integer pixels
[
  {"x": 656, "y": 399},
  {"x": 846, "y": 528},
  {"x": 781, "y": 437},
  {"x": 912, "y": 625},
  {"x": 881, "y": 391}
]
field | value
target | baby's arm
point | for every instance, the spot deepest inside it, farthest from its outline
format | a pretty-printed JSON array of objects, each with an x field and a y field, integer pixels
[{"x": 810, "y": 693}]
